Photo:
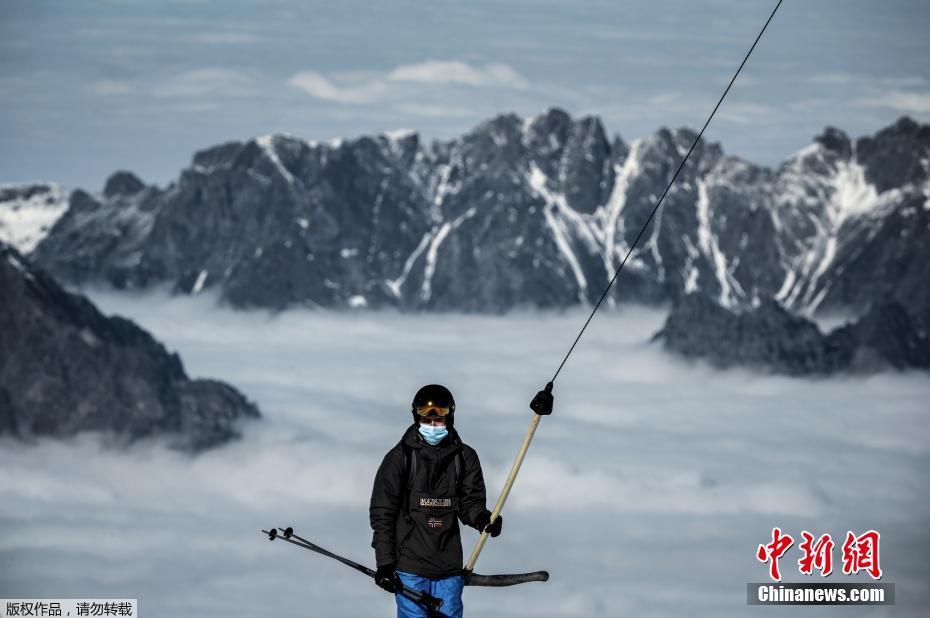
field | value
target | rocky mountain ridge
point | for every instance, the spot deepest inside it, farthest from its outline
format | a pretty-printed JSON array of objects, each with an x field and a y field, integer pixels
[
  {"x": 67, "y": 368},
  {"x": 536, "y": 212},
  {"x": 770, "y": 338}
]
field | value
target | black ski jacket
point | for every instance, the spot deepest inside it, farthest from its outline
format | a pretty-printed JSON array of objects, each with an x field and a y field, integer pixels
[{"x": 424, "y": 537}]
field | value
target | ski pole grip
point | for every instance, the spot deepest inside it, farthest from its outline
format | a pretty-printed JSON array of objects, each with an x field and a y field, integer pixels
[{"x": 542, "y": 402}]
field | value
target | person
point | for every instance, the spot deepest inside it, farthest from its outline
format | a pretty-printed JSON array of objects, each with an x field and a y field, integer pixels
[{"x": 424, "y": 486}]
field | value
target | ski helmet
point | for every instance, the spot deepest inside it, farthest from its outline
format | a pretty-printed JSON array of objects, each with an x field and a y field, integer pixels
[{"x": 433, "y": 400}]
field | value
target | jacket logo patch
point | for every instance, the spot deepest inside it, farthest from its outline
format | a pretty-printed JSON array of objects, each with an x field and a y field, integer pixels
[
  {"x": 435, "y": 502},
  {"x": 433, "y": 522}
]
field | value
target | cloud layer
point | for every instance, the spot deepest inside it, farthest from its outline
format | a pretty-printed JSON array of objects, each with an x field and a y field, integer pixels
[
  {"x": 458, "y": 72},
  {"x": 650, "y": 471},
  {"x": 406, "y": 82}
]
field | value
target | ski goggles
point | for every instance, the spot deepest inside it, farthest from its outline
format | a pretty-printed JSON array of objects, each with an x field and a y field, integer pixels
[{"x": 431, "y": 409}]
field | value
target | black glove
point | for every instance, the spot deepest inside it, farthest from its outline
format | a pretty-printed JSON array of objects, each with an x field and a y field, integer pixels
[
  {"x": 386, "y": 577},
  {"x": 482, "y": 523}
]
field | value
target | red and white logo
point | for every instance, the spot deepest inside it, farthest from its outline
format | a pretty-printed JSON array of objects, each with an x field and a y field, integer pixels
[{"x": 860, "y": 553}]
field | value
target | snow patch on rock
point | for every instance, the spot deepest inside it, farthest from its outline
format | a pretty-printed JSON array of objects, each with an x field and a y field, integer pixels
[{"x": 28, "y": 213}]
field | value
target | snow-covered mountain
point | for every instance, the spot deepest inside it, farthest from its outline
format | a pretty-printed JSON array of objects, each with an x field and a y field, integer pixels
[
  {"x": 28, "y": 212},
  {"x": 535, "y": 212}
]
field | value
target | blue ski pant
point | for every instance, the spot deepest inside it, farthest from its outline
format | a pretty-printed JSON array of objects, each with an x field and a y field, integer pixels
[{"x": 449, "y": 589}]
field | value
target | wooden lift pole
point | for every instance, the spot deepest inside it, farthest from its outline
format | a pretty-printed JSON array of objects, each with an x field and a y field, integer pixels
[{"x": 541, "y": 405}]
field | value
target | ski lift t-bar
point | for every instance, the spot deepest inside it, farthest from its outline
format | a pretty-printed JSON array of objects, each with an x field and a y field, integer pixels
[
  {"x": 541, "y": 406},
  {"x": 542, "y": 403}
]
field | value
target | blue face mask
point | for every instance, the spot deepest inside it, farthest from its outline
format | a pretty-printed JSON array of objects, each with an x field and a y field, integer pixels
[{"x": 433, "y": 435}]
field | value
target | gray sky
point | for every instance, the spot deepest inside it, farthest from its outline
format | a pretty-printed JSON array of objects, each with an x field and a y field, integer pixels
[{"x": 88, "y": 88}]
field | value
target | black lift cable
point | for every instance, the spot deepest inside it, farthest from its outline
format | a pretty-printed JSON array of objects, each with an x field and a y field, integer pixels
[{"x": 664, "y": 193}]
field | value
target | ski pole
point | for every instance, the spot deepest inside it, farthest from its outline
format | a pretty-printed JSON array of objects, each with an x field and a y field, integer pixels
[
  {"x": 410, "y": 593},
  {"x": 429, "y": 602},
  {"x": 541, "y": 405},
  {"x": 288, "y": 532}
]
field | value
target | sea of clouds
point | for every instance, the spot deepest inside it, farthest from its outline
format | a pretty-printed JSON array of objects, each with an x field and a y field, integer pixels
[{"x": 646, "y": 493}]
